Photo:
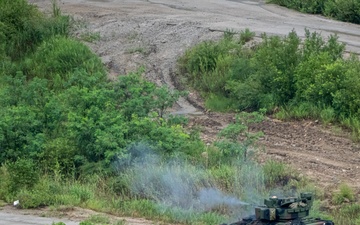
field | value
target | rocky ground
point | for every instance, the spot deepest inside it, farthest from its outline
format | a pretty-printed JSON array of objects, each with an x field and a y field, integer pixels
[{"x": 155, "y": 33}]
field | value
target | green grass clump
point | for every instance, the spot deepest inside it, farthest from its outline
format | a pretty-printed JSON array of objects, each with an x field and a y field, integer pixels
[
  {"x": 347, "y": 214},
  {"x": 246, "y": 35},
  {"x": 345, "y": 194},
  {"x": 98, "y": 219},
  {"x": 219, "y": 103},
  {"x": 277, "y": 173},
  {"x": 58, "y": 223}
]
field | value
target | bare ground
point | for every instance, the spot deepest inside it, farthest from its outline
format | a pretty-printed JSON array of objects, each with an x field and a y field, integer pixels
[{"x": 155, "y": 33}]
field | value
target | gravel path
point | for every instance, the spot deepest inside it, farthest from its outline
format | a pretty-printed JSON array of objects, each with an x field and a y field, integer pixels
[{"x": 16, "y": 219}]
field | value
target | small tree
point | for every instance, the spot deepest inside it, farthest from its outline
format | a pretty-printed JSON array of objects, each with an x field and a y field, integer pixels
[{"x": 236, "y": 139}]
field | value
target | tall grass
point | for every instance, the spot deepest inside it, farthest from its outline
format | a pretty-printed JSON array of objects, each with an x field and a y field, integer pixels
[{"x": 32, "y": 27}]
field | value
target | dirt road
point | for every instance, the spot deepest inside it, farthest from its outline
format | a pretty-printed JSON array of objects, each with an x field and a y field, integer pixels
[{"x": 11, "y": 219}]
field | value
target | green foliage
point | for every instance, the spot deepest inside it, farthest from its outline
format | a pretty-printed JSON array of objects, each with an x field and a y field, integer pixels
[
  {"x": 344, "y": 10},
  {"x": 90, "y": 37},
  {"x": 277, "y": 174},
  {"x": 219, "y": 103},
  {"x": 348, "y": 214},
  {"x": 60, "y": 112},
  {"x": 308, "y": 6},
  {"x": 206, "y": 65},
  {"x": 316, "y": 211},
  {"x": 304, "y": 79},
  {"x": 25, "y": 27},
  {"x": 97, "y": 219},
  {"x": 67, "y": 62},
  {"x": 224, "y": 175},
  {"x": 276, "y": 61},
  {"x": 22, "y": 174},
  {"x": 235, "y": 140},
  {"x": 58, "y": 223},
  {"x": 345, "y": 194},
  {"x": 246, "y": 36},
  {"x": 327, "y": 115}
]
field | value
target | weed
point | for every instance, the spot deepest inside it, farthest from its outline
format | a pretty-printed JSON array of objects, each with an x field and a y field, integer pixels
[
  {"x": 98, "y": 218},
  {"x": 229, "y": 34},
  {"x": 55, "y": 8},
  {"x": 81, "y": 192},
  {"x": 316, "y": 211},
  {"x": 277, "y": 173},
  {"x": 345, "y": 194},
  {"x": 338, "y": 130},
  {"x": 85, "y": 222},
  {"x": 219, "y": 103},
  {"x": 90, "y": 36},
  {"x": 327, "y": 115},
  {"x": 348, "y": 214},
  {"x": 139, "y": 49},
  {"x": 2, "y": 203},
  {"x": 58, "y": 223},
  {"x": 246, "y": 36},
  {"x": 120, "y": 222},
  {"x": 304, "y": 110},
  {"x": 283, "y": 114},
  {"x": 132, "y": 35}
]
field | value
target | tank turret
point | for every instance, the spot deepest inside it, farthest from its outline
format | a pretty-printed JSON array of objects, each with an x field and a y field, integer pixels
[{"x": 284, "y": 211}]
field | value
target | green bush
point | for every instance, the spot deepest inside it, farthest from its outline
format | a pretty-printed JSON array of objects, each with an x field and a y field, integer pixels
[
  {"x": 305, "y": 79},
  {"x": 65, "y": 62},
  {"x": 344, "y": 10},
  {"x": 25, "y": 27},
  {"x": 23, "y": 174}
]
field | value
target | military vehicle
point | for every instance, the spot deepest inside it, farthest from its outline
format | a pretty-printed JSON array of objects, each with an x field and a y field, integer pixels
[{"x": 284, "y": 211}]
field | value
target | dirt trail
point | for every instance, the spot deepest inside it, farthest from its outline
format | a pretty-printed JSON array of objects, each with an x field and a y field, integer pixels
[
  {"x": 71, "y": 216},
  {"x": 154, "y": 33}
]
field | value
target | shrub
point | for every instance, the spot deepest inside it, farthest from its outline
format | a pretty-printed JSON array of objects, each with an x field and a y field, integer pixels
[
  {"x": 24, "y": 174},
  {"x": 25, "y": 27},
  {"x": 67, "y": 62},
  {"x": 344, "y": 10}
]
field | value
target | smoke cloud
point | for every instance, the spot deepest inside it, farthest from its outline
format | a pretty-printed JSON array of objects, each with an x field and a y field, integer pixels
[{"x": 179, "y": 184}]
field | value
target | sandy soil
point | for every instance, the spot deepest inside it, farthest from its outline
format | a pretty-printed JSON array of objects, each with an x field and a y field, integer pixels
[
  {"x": 69, "y": 215},
  {"x": 154, "y": 33}
]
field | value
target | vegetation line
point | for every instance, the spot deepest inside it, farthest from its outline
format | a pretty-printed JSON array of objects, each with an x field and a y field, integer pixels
[{"x": 343, "y": 10}]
